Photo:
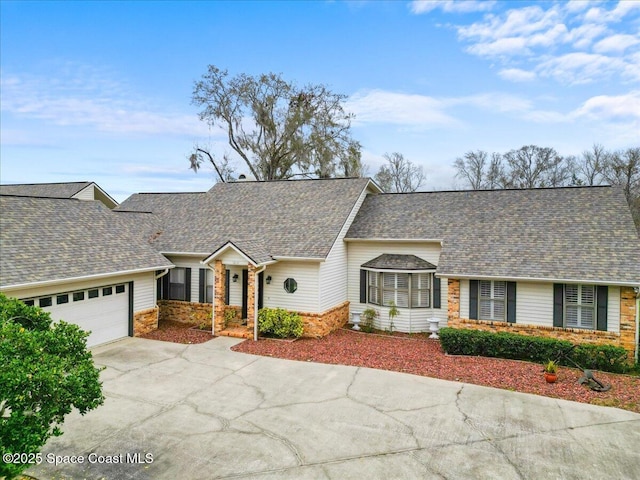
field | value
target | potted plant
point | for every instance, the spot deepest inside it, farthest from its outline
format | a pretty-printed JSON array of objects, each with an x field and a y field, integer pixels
[{"x": 551, "y": 371}]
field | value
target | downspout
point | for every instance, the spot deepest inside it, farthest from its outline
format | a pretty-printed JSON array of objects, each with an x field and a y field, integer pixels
[
  {"x": 637, "y": 291},
  {"x": 155, "y": 289},
  {"x": 213, "y": 301},
  {"x": 255, "y": 302}
]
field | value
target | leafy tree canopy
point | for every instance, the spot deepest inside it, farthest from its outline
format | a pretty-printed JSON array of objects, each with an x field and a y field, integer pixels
[
  {"x": 46, "y": 371},
  {"x": 277, "y": 129}
]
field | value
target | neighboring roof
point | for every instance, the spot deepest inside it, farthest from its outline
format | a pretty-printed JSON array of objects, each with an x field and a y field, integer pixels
[
  {"x": 57, "y": 190},
  {"x": 289, "y": 218},
  {"x": 573, "y": 233},
  {"x": 50, "y": 240},
  {"x": 51, "y": 190},
  {"x": 388, "y": 261}
]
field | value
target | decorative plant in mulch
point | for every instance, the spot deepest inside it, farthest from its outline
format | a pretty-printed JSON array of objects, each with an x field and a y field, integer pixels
[{"x": 551, "y": 371}]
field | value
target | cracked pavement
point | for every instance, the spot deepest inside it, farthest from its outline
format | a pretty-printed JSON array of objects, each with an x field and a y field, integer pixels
[{"x": 204, "y": 411}]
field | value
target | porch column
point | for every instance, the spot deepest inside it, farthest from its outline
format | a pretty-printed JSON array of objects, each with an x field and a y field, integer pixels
[
  {"x": 219, "y": 297},
  {"x": 251, "y": 295}
]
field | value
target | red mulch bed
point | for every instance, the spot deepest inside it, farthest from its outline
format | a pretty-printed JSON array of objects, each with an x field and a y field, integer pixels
[
  {"x": 419, "y": 356},
  {"x": 178, "y": 332}
]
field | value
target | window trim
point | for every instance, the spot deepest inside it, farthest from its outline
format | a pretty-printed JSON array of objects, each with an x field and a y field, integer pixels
[
  {"x": 493, "y": 300},
  {"x": 379, "y": 287},
  {"x": 593, "y": 307}
]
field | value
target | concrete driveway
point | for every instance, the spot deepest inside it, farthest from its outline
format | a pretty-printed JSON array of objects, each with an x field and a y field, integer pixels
[{"x": 202, "y": 411}]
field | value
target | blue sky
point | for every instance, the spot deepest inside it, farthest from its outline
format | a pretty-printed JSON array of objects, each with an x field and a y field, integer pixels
[{"x": 102, "y": 90}]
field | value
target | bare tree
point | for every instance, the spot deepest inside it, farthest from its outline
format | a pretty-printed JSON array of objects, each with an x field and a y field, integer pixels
[
  {"x": 472, "y": 168},
  {"x": 532, "y": 166},
  {"x": 399, "y": 175},
  {"x": 276, "y": 128},
  {"x": 592, "y": 165}
]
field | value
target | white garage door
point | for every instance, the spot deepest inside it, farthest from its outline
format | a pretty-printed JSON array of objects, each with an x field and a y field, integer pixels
[{"x": 103, "y": 310}]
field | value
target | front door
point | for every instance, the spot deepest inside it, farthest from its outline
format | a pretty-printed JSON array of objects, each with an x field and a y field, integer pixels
[{"x": 245, "y": 292}]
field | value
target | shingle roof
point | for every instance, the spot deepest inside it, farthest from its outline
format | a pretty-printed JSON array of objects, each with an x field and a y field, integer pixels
[
  {"x": 293, "y": 218},
  {"x": 51, "y": 190},
  {"x": 388, "y": 261},
  {"x": 47, "y": 239},
  {"x": 584, "y": 233}
]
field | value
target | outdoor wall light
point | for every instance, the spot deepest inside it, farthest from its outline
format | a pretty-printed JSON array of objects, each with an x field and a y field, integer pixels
[
  {"x": 235, "y": 277},
  {"x": 268, "y": 280}
]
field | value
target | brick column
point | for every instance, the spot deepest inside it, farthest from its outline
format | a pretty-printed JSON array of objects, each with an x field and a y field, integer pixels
[
  {"x": 251, "y": 294},
  {"x": 453, "y": 301},
  {"x": 628, "y": 320},
  {"x": 218, "y": 293}
]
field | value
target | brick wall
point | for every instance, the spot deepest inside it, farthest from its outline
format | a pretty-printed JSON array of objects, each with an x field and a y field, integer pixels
[
  {"x": 321, "y": 324},
  {"x": 625, "y": 339},
  {"x": 185, "y": 312},
  {"x": 145, "y": 321}
]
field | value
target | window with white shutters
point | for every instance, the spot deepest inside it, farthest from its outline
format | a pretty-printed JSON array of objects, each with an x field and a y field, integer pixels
[
  {"x": 580, "y": 306},
  {"x": 405, "y": 290},
  {"x": 492, "y": 296}
]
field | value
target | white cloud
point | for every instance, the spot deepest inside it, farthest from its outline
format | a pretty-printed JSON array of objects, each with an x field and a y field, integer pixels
[
  {"x": 517, "y": 75},
  {"x": 618, "y": 107},
  {"x": 86, "y": 97},
  {"x": 579, "y": 68},
  {"x": 616, "y": 43},
  {"x": 378, "y": 106},
  {"x": 451, "y": 6},
  {"x": 572, "y": 43}
]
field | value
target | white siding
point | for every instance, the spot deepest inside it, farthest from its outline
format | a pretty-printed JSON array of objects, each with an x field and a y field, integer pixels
[
  {"x": 86, "y": 193},
  {"x": 333, "y": 272},
  {"x": 305, "y": 298},
  {"x": 409, "y": 320},
  {"x": 143, "y": 288},
  {"x": 534, "y": 303},
  {"x": 613, "y": 310},
  {"x": 235, "y": 288}
]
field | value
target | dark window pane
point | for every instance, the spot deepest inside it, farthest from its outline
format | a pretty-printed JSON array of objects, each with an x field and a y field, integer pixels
[
  {"x": 45, "y": 302},
  {"x": 107, "y": 291},
  {"x": 31, "y": 302},
  {"x": 290, "y": 285},
  {"x": 119, "y": 288},
  {"x": 93, "y": 293},
  {"x": 78, "y": 296},
  {"x": 60, "y": 299}
]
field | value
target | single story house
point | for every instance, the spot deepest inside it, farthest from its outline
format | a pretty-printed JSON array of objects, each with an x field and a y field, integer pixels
[{"x": 561, "y": 262}]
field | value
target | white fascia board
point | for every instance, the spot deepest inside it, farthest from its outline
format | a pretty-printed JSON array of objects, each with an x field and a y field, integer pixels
[
  {"x": 298, "y": 259},
  {"x": 186, "y": 254},
  {"x": 542, "y": 280},
  {"x": 396, "y": 240},
  {"x": 46, "y": 283},
  {"x": 224, "y": 247}
]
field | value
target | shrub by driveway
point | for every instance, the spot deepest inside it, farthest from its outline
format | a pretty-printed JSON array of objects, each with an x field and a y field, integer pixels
[{"x": 420, "y": 356}]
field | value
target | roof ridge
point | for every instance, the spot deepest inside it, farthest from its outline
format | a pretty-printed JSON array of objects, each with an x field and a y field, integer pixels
[{"x": 564, "y": 187}]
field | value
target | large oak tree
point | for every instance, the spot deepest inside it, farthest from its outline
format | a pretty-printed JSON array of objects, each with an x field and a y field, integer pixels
[{"x": 277, "y": 129}]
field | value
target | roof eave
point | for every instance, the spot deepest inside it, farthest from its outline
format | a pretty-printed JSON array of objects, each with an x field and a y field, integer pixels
[
  {"x": 617, "y": 283},
  {"x": 60, "y": 281}
]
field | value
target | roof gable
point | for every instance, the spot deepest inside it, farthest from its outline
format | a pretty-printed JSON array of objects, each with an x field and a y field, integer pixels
[{"x": 80, "y": 190}]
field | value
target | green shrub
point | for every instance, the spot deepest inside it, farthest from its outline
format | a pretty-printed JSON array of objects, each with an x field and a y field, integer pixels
[
  {"x": 46, "y": 372},
  {"x": 279, "y": 323},
  {"x": 607, "y": 358}
]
